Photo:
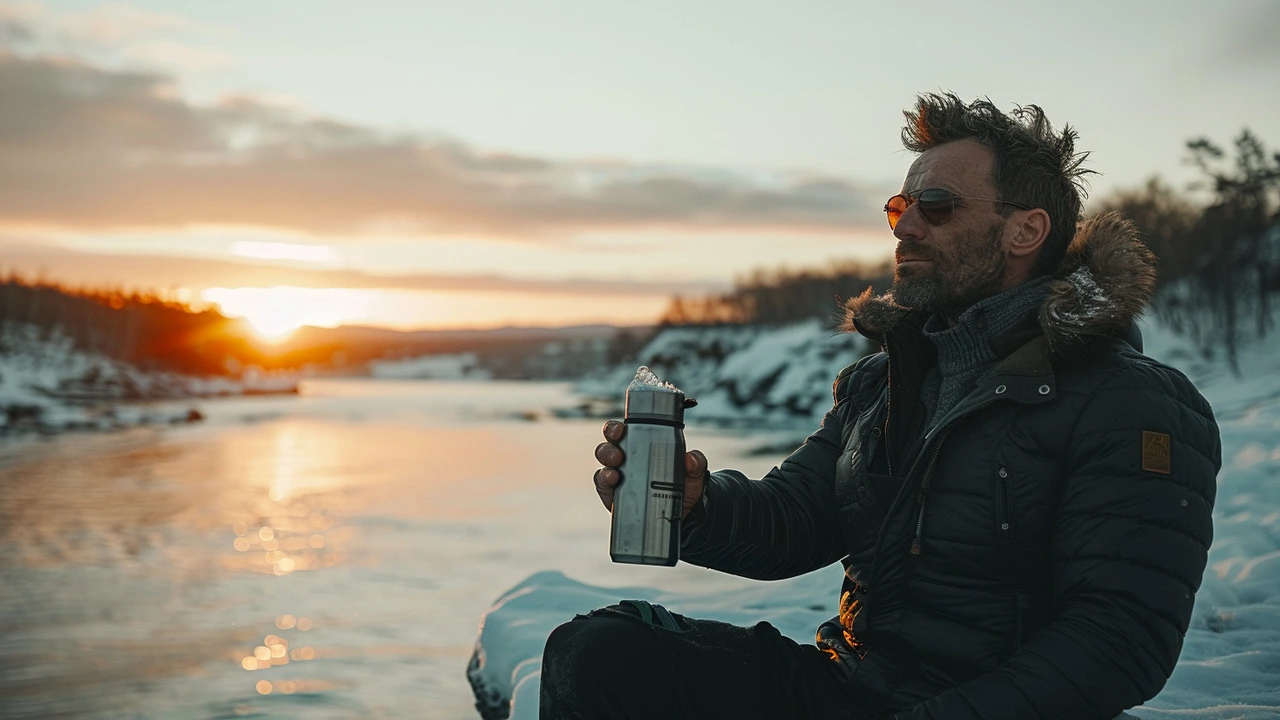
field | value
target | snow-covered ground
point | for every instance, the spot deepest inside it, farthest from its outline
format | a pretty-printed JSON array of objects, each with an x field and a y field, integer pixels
[
  {"x": 1230, "y": 663},
  {"x": 46, "y": 384}
]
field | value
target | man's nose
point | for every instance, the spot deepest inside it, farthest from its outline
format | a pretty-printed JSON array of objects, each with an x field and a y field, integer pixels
[{"x": 911, "y": 225}]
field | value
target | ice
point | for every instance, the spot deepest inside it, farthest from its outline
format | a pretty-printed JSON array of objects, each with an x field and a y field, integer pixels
[{"x": 645, "y": 379}]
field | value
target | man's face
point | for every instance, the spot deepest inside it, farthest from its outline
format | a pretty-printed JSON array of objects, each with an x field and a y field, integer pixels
[{"x": 950, "y": 267}]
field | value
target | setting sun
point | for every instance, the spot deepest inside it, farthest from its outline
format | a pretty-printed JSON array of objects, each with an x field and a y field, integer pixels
[
  {"x": 276, "y": 312},
  {"x": 274, "y": 328}
]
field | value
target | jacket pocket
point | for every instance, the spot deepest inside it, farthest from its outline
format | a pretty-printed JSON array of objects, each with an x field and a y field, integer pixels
[{"x": 1004, "y": 507}]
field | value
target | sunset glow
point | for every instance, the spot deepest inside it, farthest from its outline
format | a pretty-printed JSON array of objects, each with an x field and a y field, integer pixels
[
  {"x": 276, "y": 312},
  {"x": 284, "y": 251}
]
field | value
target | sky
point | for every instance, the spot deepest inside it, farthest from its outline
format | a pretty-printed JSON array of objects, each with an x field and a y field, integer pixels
[{"x": 437, "y": 165}]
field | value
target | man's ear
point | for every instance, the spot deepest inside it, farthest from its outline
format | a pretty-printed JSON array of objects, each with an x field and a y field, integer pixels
[{"x": 1029, "y": 232}]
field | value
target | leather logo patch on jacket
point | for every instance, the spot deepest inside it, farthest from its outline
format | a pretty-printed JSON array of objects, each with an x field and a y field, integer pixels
[{"x": 1155, "y": 452}]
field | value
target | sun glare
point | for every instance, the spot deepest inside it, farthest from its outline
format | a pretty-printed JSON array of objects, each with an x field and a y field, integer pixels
[
  {"x": 276, "y": 312},
  {"x": 274, "y": 328}
]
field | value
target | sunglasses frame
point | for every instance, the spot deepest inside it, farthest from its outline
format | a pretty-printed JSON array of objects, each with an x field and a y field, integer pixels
[{"x": 937, "y": 211}]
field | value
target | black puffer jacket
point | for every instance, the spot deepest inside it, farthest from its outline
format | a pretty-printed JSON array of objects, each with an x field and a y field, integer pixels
[{"x": 1041, "y": 557}]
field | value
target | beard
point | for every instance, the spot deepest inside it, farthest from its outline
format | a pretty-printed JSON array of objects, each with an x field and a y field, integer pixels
[{"x": 959, "y": 276}]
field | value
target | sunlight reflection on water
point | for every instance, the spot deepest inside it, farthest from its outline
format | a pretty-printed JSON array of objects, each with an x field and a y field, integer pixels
[{"x": 319, "y": 556}]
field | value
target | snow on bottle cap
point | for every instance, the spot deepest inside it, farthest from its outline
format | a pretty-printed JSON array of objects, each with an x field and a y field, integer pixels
[{"x": 646, "y": 380}]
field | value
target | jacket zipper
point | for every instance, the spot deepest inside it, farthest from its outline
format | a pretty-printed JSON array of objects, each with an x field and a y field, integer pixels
[
  {"x": 943, "y": 431},
  {"x": 922, "y": 495},
  {"x": 888, "y": 409}
]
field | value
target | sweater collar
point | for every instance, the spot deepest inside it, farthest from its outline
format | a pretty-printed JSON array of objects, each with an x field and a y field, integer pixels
[{"x": 974, "y": 341}]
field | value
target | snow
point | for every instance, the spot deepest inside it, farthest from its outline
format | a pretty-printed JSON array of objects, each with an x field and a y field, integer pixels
[
  {"x": 745, "y": 375},
  {"x": 1230, "y": 663},
  {"x": 646, "y": 380},
  {"x": 460, "y": 366},
  {"x": 47, "y": 385},
  {"x": 512, "y": 632}
]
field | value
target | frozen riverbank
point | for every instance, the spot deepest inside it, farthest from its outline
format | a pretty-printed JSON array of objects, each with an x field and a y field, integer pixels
[
  {"x": 747, "y": 375},
  {"x": 1229, "y": 665},
  {"x": 47, "y": 385}
]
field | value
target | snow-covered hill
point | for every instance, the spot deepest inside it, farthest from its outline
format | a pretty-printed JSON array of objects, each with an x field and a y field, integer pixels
[
  {"x": 47, "y": 385},
  {"x": 745, "y": 374},
  {"x": 1230, "y": 664}
]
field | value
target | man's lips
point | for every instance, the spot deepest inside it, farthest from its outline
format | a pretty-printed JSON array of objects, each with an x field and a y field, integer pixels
[{"x": 904, "y": 255}]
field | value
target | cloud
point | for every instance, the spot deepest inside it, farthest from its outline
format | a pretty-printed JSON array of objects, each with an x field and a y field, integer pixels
[
  {"x": 117, "y": 23},
  {"x": 173, "y": 54},
  {"x": 84, "y": 146},
  {"x": 102, "y": 32},
  {"x": 13, "y": 32},
  {"x": 76, "y": 268}
]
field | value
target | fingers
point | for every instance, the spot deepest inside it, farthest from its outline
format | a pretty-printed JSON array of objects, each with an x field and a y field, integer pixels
[
  {"x": 695, "y": 464},
  {"x": 606, "y": 479},
  {"x": 695, "y": 471},
  {"x": 609, "y": 455},
  {"x": 614, "y": 430}
]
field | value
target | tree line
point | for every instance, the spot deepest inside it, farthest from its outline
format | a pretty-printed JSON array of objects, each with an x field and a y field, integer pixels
[
  {"x": 778, "y": 297},
  {"x": 145, "y": 329}
]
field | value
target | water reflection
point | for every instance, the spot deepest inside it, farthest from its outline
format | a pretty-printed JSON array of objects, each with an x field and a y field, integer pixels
[{"x": 296, "y": 547}]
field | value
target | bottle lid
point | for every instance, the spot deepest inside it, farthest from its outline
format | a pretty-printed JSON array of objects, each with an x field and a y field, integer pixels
[{"x": 652, "y": 398}]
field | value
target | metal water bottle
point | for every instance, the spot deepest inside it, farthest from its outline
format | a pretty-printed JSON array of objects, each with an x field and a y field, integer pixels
[{"x": 649, "y": 500}]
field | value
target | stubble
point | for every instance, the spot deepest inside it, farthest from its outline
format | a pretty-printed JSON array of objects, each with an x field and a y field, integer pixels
[{"x": 958, "y": 279}]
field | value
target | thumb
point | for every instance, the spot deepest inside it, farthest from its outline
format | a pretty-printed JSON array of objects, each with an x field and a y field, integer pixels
[{"x": 695, "y": 464}]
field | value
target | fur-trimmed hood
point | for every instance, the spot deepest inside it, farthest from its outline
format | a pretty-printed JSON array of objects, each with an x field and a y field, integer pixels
[{"x": 1103, "y": 284}]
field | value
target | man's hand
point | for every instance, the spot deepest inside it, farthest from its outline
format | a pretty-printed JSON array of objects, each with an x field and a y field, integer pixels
[{"x": 610, "y": 456}]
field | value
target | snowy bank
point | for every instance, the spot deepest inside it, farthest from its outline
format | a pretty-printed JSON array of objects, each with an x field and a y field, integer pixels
[
  {"x": 460, "y": 366},
  {"x": 47, "y": 385},
  {"x": 1230, "y": 663},
  {"x": 744, "y": 374}
]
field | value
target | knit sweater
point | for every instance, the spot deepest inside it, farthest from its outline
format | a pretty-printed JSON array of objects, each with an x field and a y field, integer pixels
[{"x": 964, "y": 349}]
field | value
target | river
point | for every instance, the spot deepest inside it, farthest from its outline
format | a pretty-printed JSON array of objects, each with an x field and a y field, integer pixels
[{"x": 326, "y": 555}]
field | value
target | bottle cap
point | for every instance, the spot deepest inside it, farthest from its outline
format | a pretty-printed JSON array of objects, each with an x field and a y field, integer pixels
[{"x": 653, "y": 399}]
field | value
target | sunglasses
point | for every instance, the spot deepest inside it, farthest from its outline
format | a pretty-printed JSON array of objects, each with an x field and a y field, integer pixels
[{"x": 936, "y": 205}]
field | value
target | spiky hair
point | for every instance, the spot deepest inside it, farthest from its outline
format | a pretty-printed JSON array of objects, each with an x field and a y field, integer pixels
[{"x": 1034, "y": 165}]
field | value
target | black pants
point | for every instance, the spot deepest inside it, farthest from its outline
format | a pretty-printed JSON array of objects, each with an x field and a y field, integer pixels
[{"x": 638, "y": 661}]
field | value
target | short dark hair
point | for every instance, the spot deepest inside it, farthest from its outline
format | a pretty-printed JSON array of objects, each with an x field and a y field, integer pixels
[{"x": 1034, "y": 166}]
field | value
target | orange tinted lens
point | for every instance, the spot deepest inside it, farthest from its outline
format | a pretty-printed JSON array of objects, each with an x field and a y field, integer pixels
[{"x": 894, "y": 209}]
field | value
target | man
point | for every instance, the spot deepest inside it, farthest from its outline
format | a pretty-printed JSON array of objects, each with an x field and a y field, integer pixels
[{"x": 1021, "y": 499}]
